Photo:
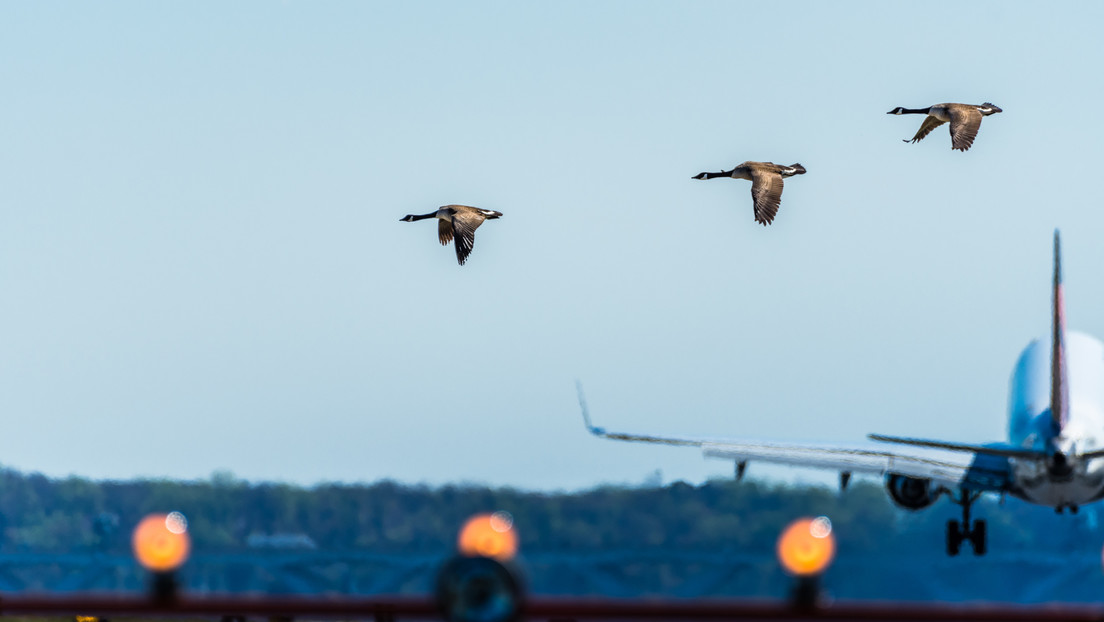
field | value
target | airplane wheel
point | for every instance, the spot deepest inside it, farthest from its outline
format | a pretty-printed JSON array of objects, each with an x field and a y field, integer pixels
[
  {"x": 977, "y": 537},
  {"x": 954, "y": 538}
]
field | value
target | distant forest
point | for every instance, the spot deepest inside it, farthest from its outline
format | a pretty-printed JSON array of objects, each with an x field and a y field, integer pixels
[{"x": 74, "y": 514}]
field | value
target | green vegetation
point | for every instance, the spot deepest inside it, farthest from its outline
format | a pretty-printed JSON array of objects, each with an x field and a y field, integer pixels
[{"x": 74, "y": 514}]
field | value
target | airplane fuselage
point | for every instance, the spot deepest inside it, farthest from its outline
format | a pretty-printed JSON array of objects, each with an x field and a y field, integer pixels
[{"x": 1067, "y": 480}]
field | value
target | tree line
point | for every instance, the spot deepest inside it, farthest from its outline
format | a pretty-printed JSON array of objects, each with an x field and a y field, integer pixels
[{"x": 73, "y": 514}]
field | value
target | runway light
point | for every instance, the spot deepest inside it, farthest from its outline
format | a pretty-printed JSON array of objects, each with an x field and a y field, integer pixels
[
  {"x": 807, "y": 546},
  {"x": 161, "y": 543},
  {"x": 489, "y": 535}
]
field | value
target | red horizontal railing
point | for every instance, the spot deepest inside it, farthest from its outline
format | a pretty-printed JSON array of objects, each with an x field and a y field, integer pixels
[{"x": 553, "y": 609}]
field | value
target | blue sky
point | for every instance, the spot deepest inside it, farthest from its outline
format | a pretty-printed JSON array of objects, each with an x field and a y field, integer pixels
[{"x": 203, "y": 266}]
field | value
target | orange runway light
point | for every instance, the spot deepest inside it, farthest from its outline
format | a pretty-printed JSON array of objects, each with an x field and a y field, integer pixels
[
  {"x": 489, "y": 535},
  {"x": 807, "y": 546},
  {"x": 161, "y": 542}
]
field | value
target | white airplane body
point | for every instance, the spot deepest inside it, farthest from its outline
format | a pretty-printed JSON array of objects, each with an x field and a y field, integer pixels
[
  {"x": 1054, "y": 455},
  {"x": 1030, "y": 423}
]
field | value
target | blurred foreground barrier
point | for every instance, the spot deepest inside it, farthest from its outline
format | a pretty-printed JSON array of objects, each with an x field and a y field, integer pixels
[{"x": 547, "y": 608}]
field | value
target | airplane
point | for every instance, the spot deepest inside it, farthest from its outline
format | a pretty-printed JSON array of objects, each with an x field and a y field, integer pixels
[{"x": 1054, "y": 455}]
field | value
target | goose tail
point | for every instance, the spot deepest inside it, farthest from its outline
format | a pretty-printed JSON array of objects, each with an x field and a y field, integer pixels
[{"x": 795, "y": 169}]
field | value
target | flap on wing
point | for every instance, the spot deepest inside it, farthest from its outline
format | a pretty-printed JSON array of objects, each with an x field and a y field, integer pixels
[
  {"x": 974, "y": 471},
  {"x": 993, "y": 449},
  {"x": 853, "y": 459}
]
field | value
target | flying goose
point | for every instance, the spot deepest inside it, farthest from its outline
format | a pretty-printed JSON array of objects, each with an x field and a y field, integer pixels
[
  {"x": 459, "y": 221},
  {"x": 766, "y": 185},
  {"x": 965, "y": 119}
]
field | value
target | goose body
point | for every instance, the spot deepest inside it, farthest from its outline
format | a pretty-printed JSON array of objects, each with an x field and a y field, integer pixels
[
  {"x": 457, "y": 222},
  {"x": 965, "y": 120},
  {"x": 766, "y": 185}
]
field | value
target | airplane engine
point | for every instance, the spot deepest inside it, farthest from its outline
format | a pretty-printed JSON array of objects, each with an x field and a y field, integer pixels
[{"x": 911, "y": 493}]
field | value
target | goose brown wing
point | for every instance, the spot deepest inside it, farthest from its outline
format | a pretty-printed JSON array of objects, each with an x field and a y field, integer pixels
[
  {"x": 965, "y": 122},
  {"x": 464, "y": 224},
  {"x": 929, "y": 124},
  {"x": 766, "y": 194},
  {"x": 444, "y": 232}
]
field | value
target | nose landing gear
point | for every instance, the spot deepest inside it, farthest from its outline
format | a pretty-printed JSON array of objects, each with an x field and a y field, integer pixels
[{"x": 958, "y": 532}]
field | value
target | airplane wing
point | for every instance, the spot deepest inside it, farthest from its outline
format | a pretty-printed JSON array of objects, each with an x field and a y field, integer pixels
[{"x": 971, "y": 470}]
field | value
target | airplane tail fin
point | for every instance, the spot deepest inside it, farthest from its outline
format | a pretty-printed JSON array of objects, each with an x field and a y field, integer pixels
[{"x": 1059, "y": 382}]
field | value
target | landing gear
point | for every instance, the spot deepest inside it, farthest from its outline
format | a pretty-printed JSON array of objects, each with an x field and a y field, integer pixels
[
  {"x": 957, "y": 532},
  {"x": 954, "y": 538}
]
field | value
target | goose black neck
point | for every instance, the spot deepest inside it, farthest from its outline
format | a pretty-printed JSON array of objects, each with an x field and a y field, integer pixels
[
  {"x": 917, "y": 110},
  {"x": 715, "y": 175}
]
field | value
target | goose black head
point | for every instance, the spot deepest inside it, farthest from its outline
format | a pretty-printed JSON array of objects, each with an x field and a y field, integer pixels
[
  {"x": 701, "y": 176},
  {"x": 988, "y": 109},
  {"x": 897, "y": 110},
  {"x": 407, "y": 218}
]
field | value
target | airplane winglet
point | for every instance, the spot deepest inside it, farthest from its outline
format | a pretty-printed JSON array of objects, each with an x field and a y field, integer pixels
[
  {"x": 586, "y": 412},
  {"x": 622, "y": 436}
]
